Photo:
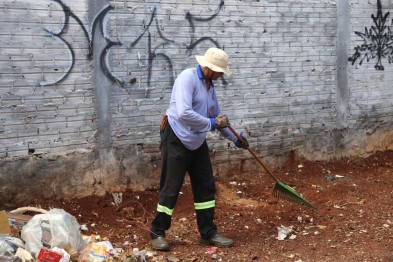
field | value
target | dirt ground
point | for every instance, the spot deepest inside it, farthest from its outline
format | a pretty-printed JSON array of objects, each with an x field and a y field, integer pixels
[{"x": 354, "y": 220}]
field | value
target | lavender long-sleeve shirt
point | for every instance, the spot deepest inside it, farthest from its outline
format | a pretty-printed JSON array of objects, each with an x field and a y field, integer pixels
[{"x": 191, "y": 107}]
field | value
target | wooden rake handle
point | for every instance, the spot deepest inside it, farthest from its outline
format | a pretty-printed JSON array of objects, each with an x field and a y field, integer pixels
[{"x": 253, "y": 153}]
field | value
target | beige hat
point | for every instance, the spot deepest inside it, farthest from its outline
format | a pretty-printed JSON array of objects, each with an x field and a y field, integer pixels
[{"x": 215, "y": 59}]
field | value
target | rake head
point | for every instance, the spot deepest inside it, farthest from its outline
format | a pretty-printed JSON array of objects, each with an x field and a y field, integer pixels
[{"x": 285, "y": 192}]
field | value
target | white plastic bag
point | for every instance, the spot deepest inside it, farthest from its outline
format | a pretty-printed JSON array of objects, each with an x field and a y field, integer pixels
[
  {"x": 9, "y": 245},
  {"x": 56, "y": 228}
]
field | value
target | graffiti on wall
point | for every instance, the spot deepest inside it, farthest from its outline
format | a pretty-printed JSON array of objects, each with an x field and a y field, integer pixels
[
  {"x": 378, "y": 41},
  {"x": 152, "y": 52},
  {"x": 58, "y": 37}
]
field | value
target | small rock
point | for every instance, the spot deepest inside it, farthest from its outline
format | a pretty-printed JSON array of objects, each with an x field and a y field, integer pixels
[
  {"x": 117, "y": 198},
  {"x": 271, "y": 200}
]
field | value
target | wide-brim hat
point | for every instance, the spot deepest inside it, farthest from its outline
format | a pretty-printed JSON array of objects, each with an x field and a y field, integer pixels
[{"x": 215, "y": 59}]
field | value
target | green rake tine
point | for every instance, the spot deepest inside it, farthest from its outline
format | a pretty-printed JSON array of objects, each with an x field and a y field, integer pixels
[
  {"x": 280, "y": 190},
  {"x": 285, "y": 192}
]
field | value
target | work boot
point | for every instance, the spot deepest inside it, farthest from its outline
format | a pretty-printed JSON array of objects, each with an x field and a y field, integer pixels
[
  {"x": 218, "y": 241},
  {"x": 160, "y": 244}
]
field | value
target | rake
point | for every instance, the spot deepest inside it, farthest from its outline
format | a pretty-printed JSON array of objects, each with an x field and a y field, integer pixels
[{"x": 280, "y": 190}]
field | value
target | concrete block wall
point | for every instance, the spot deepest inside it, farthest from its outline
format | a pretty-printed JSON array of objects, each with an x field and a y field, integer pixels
[
  {"x": 370, "y": 75},
  {"x": 83, "y": 85},
  {"x": 279, "y": 53},
  {"x": 46, "y": 93}
]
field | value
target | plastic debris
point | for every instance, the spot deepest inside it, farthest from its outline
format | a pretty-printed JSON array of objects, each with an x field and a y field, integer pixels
[
  {"x": 361, "y": 212},
  {"x": 97, "y": 251},
  {"x": 108, "y": 246},
  {"x": 283, "y": 232},
  {"x": 9, "y": 245},
  {"x": 46, "y": 254},
  {"x": 139, "y": 253},
  {"x": 23, "y": 255},
  {"x": 211, "y": 250},
  {"x": 329, "y": 178},
  {"x": 292, "y": 237},
  {"x": 66, "y": 257},
  {"x": 17, "y": 224},
  {"x": 56, "y": 228},
  {"x": 136, "y": 238}
]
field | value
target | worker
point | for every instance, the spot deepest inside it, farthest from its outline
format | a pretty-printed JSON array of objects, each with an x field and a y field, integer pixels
[{"x": 193, "y": 111}]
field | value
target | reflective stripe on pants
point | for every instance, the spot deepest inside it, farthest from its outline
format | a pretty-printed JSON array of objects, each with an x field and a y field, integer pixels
[
  {"x": 205, "y": 205},
  {"x": 165, "y": 210},
  {"x": 176, "y": 161}
]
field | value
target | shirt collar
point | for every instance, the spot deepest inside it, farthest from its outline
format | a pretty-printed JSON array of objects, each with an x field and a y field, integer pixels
[{"x": 200, "y": 75}]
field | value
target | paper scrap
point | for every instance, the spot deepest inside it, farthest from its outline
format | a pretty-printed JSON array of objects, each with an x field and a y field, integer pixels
[{"x": 4, "y": 225}]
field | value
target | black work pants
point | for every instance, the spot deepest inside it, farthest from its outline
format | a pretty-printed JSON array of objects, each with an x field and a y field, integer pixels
[{"x": 176, "y": 161}]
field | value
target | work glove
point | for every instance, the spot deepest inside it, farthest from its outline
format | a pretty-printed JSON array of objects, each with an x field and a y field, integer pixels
[
  {"x": 221, "y": 121},
  {"x": 244, "y": 144}
]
